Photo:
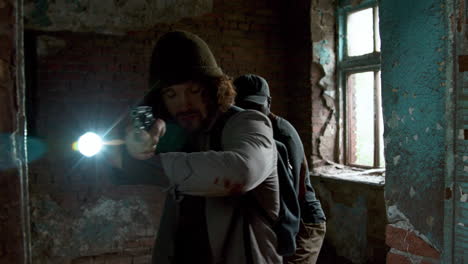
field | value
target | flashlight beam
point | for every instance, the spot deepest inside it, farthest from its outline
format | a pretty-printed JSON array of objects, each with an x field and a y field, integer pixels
[{"x": 114, "y": 142}]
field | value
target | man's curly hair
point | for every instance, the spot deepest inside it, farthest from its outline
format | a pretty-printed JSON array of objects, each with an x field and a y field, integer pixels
[{"x": 222, "y": 89}]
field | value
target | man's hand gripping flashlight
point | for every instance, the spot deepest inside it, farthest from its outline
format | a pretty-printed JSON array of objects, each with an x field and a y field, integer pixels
[{"x": 141, "y": 138}]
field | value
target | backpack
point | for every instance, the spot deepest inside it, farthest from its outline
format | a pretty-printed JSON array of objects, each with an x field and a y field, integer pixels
[{"x": 286, "y": 226}]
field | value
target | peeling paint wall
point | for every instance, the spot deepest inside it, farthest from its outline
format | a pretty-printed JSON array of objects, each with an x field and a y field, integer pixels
[
  {"x": 323, "y": 38},
  {"x": 109, "y": 16},
  {"x": 414, "y": 90},
  {"x": 356, "y": 221},
  {"x": 355, "y": 211},
  {"x": 324, "y": 123}
]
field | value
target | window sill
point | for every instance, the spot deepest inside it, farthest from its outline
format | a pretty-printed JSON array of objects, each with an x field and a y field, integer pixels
[{"x": 375, "y": 177}]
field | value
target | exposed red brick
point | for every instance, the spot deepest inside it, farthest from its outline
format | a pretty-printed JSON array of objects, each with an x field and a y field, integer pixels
[
  {"x": 430, "y": 262},
  {"x": 408, "y": 241},
  {"x": 397, "y": 259},
  {"x": 463, "y": 63},
  {"x": 448, "y": 191}
]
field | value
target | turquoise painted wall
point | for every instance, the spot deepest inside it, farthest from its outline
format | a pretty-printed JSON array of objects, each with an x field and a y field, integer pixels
[
  {"x": 414, "y": 46},
  {"x": 356, "y": 221}
]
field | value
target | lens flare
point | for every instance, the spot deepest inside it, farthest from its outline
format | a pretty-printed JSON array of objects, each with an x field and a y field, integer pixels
[{"x": 89, "y": 144}]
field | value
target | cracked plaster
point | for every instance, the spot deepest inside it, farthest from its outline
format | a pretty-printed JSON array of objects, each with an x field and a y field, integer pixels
[
  {"x": 399, "y": 219},
  {"x": 103, "y": 226},
  {"x": 108, "y": 16}
]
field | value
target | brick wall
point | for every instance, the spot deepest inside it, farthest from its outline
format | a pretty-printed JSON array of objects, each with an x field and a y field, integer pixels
[
  {"x": 11, "y": 246},
  {"x": 408, "y": 247},
  {"x": 298, "y": 60},
  {"x": 86, "y": 82}
]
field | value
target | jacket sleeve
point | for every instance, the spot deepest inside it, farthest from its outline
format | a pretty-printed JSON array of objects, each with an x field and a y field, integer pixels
[
  {"x": 247, "y": 159},
  {"x": 139, "y": 172}
]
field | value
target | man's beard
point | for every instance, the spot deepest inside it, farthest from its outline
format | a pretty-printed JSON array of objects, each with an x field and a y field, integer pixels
[{"x": 191, "y": 120}]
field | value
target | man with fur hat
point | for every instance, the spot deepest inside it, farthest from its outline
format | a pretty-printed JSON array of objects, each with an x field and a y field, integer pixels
[
  {"x": 204, "y": 218},
  {"x": 253, "y": 93}
]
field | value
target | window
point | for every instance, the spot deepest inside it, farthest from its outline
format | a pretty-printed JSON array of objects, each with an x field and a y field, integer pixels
[{"x": 358, "y": 70}]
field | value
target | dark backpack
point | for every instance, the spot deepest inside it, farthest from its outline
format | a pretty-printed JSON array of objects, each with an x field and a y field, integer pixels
[{"x": 286, "y": 226}]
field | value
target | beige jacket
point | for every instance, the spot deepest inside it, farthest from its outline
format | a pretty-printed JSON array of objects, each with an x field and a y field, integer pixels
[{"x": 247, "y": 163}]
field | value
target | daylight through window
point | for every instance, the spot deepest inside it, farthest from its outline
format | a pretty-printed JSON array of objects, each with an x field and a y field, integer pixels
[{"x": 359, "y": 80}]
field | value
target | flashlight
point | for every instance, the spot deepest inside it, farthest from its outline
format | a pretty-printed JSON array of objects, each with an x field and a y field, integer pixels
[{"x": 89, "y": 144}]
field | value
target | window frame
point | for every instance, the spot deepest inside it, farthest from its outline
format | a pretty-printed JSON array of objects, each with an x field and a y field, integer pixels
[{"x": 346, "y": 66}]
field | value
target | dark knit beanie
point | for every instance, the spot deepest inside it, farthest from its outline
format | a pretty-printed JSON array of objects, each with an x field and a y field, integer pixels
[{"x": 180, "y": 56}]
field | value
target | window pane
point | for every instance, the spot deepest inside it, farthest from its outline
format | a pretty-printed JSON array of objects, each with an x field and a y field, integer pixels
[
  {"x": 361, "y": 118},
  {"x": 360, "y": 32},
  {"x": 381, "y": 126},
  {"x": 377, "y": 30}
]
